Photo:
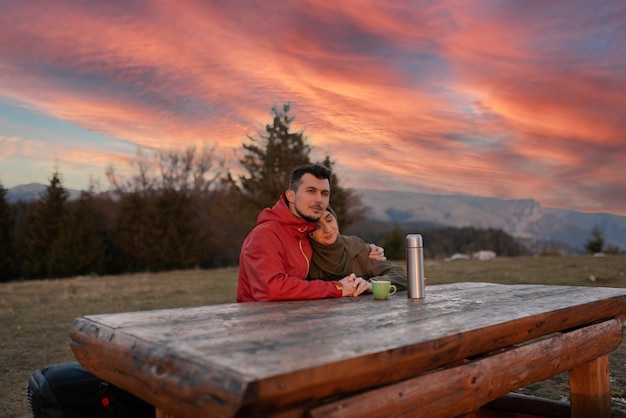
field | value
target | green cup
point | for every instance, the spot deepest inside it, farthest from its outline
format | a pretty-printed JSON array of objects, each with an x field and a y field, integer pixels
[{"x": 382, "y": 289}]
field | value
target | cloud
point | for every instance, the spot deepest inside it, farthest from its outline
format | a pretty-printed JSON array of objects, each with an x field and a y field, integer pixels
[{"x": 499, "y": 98}]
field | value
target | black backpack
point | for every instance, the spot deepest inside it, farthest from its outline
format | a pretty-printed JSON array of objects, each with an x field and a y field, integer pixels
[{"x": 66, "y": 390}]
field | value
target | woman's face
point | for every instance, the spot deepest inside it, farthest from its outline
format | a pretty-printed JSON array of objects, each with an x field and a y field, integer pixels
[{"x": 327, "y": 230}]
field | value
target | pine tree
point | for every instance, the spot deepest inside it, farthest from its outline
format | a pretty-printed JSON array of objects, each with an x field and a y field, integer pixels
[
  {"x": 45, "y": 224},
  {"x": 7, "y": 249},
  {"x": 395, "y": 244},
  {"x": 172, "y": 233},
  {"x": 130, "y": 232},
  {"x": 80, "y": 249},
  {"x": 596, "y": 242},
  {"x": 270, "y": 159}
]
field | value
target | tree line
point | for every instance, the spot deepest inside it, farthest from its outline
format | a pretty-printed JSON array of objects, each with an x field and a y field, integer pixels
[
  {"x": 167, "y": 210},
  {"x": 442, "y": 242},
  {"x": 183, "y": 209}
]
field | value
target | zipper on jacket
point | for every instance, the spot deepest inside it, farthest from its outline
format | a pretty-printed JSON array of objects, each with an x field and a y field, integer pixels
[{"x": 308, "y": 263}]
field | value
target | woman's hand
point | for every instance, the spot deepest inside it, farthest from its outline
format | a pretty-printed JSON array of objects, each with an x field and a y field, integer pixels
[{"x": 362, "y": 286}]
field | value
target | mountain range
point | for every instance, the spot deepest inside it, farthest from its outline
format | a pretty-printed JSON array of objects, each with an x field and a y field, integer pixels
[
  {"x": 534, "y": 225},
  {"x": 32, "y": 191}
]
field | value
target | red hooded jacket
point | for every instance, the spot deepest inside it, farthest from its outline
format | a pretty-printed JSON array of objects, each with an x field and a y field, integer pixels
[{"x": 274, "y": 260}]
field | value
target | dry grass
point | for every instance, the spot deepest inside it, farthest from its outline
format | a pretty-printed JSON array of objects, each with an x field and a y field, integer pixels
[{"x": 35, "y": 316}]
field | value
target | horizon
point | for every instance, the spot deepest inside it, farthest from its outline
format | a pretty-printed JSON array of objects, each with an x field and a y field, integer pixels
[
  {"x": 494, "y": 99},
  {"x": 378, "y": 190}
]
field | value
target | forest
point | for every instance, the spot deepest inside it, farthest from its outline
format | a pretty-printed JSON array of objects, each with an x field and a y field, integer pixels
[{"x": 184, "y": 209}]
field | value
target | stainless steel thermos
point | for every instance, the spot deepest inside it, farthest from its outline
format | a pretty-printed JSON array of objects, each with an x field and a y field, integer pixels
[{"x": 415, "y": 266}]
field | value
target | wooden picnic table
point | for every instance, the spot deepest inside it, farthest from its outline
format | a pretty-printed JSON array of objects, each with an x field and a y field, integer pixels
[{"x": 449, "y": 354}]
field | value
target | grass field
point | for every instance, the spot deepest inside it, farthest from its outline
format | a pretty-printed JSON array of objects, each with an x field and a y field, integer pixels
[{"x": 35, "y": 316}]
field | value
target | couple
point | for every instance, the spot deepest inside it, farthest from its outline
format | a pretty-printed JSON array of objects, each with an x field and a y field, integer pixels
[
  {"x": 295, "y": 252},
  {"x": 277, "y": 262}
]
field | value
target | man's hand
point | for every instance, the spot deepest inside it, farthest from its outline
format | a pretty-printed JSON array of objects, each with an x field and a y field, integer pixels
[{"x": 377, "y": 253}]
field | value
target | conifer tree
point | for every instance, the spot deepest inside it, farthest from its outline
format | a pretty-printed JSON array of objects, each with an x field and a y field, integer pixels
[
  {"x": 394, "y": 244},
  {"x": 7, "y": 253},
  {"x": 596, "y": 242},
  {"x": 270, "y": 158},
  {"x": 80, "y": 249},
  {"x": 171, "y": 231},
  {"x": 46, "y": 219},
  {"x": 130, "y": 232}
]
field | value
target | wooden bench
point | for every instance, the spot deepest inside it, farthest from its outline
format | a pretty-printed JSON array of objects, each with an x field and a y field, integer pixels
[{"x": 455, "y": 353}]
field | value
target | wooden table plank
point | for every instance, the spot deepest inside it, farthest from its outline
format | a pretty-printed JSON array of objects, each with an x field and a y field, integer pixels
[
  {"x": 445, "y": 393},
  {"x": 244, "y": 358}
]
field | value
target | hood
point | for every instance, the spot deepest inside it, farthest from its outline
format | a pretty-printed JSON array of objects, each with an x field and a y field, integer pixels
[{"x": 280, "y": 213}]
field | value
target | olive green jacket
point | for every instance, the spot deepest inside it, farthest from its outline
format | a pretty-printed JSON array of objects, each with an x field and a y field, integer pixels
[{"x": 350, "y": 254}]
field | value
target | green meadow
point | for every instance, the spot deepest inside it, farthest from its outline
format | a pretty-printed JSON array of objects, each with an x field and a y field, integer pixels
[{"x": 35, "y": 316}]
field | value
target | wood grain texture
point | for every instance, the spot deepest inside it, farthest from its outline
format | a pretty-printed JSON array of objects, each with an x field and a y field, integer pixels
[
  {"x": 590, "y": 389},
  {"x": 253, "y": 358},
  {"x": 462, "y": 390}
]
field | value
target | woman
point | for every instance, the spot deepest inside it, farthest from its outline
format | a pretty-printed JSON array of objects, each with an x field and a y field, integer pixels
[{"x": 336, "y": 256}]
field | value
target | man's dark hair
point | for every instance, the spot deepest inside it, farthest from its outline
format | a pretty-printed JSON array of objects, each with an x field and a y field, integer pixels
[{"x": 318, "y": 170}]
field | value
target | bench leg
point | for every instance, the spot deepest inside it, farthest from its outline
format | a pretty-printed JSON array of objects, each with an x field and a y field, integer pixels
[{"x": 590, "y": 389}]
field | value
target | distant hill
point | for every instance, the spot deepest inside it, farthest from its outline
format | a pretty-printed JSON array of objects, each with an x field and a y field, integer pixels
[
  {"x": 32, "y": 191},
  {"x": 525, "y": 219}
]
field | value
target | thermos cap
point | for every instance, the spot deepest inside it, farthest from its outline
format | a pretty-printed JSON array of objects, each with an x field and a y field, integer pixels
[{"x": 414, "y": 240}]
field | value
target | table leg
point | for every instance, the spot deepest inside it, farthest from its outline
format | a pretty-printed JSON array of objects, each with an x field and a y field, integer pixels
[{"x": 590, "y": 389}]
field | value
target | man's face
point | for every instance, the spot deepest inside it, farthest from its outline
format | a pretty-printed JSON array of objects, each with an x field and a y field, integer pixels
[{"x": 311, "y": 199}]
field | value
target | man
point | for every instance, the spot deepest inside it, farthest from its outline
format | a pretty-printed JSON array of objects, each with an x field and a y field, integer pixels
[{"x": 275, "y": 256}]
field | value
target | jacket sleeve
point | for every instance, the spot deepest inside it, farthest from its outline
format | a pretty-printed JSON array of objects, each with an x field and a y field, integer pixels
[
  {"x": 385, "y": 270},
  {"x": 262, "y": 261}
]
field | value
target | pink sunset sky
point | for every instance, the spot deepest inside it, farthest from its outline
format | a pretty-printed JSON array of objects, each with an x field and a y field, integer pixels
[{"x": 510, "y": 99}]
